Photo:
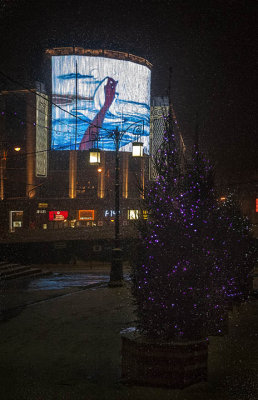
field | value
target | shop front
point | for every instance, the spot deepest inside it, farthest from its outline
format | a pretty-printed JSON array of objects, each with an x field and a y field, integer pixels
[
  {"x": 15, "y": 220},
  {"x": 86, "y": 218},
  {"x": 58, "y": 219}
]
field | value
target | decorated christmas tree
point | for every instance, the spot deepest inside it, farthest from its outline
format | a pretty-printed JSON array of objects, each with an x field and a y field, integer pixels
[
  {"x": 181, "y": 275},
  {"x": 185, "y": 271},
  {"x": 167, "y": 264}
]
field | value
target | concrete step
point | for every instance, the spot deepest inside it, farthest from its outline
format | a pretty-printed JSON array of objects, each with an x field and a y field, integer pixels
[
  {"x": 13, "y": 270},
  {"x": 32, "y": 273},
  {"x": 6, "y": 265},
  {"x": 3, "y": 263}
]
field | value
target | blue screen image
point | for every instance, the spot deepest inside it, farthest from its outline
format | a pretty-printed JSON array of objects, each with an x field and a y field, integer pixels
[{"x": 111, "y": 94}]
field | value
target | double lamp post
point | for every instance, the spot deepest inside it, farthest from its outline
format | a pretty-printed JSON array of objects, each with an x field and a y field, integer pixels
[{"x": 116, "y": 273}]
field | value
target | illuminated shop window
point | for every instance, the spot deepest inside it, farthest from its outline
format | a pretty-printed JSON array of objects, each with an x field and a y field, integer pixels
[
  {"x": 256, "y": 205},
  {"x": 133, "y": 214},
  {"x": 86, "y": 215}
]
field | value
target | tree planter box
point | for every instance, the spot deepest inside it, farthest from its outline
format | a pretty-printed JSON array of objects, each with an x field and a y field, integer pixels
[{"x": 163, "y": 363}]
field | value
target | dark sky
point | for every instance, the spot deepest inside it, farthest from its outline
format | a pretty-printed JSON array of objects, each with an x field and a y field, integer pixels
[{"x": 209, "y": 44}]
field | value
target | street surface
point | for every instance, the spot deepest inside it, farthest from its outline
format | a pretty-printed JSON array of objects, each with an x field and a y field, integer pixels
[{"x": 62, "y": 342}]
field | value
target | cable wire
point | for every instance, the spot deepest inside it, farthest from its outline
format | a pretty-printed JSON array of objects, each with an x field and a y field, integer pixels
[{"x": 50, "y": 101}]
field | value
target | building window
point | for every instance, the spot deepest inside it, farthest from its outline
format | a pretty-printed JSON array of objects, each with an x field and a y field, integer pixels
[
  {"x": 86, "y": 215},
  {"x": 133, "y": 214},
  {"x": 256, "y": 205}
]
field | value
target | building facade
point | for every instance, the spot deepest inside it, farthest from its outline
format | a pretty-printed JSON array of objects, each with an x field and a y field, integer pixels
[{"x": 49, "y": 186}]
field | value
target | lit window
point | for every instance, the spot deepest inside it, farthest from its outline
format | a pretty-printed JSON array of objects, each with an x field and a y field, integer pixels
[
  {"x": 256, "y": 205},
  {"x": 87, "y": 215},
  {"x": 133, "y": 214}
]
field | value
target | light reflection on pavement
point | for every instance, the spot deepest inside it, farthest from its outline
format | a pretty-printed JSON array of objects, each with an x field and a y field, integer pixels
[
  {"x": 61, "y": 281},
  {"x": 15, "y": 295}
]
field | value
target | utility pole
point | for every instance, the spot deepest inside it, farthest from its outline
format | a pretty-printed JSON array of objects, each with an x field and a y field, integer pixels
[{"x": 116, "y": 273}]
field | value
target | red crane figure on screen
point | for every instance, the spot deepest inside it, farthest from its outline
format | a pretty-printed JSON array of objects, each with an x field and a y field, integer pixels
[{"x": 92, "y": 131}]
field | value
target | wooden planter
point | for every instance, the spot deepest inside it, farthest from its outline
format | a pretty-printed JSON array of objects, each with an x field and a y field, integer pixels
[{"x": 163, "y": 363}]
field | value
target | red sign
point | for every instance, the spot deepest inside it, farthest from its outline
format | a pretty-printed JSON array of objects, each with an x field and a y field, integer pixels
[{"x": 58, "y": 215}]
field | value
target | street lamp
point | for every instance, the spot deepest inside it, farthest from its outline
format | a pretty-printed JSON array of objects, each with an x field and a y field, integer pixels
[
  {"x": 137, "y": 149},
  {"x": 116, "y": 273},
  {"x": 94, "y": 156}
]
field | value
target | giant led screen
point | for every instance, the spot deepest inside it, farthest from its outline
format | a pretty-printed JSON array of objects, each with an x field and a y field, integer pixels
[{"x": 105, "y": 94}]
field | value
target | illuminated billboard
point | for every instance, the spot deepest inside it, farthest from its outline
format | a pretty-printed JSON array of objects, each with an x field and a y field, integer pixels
[{"x": 105, "y": 94}]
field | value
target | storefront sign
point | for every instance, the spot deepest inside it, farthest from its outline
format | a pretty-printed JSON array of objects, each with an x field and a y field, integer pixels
[
  {"x": 42, "y": 205},
  {"x": 86, "y": 215},
  {"x": 58, "y": 215},
  {"x": 110, "y": 213},
  {"x": 17, "y": 224}
]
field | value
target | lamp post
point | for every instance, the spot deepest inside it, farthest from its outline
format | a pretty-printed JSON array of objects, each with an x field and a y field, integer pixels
[{"x": 116, "y": 273}]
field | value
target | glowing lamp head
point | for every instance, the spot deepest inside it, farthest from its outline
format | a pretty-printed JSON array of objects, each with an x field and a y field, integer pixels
[
  {"x": 17, "y": 148},
  {"x": 137, "y": 149},
  {"x": 94, "y": 156},
  {"x": 99, "y": 170}
]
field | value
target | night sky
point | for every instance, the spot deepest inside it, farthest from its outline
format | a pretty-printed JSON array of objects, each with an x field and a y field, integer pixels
[{"x": 210, "y": 46}]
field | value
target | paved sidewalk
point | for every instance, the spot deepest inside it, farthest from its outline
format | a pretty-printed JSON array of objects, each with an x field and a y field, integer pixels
[
  {"x": 68, "y": 348},
  {"x": 65, "y": 279}
]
